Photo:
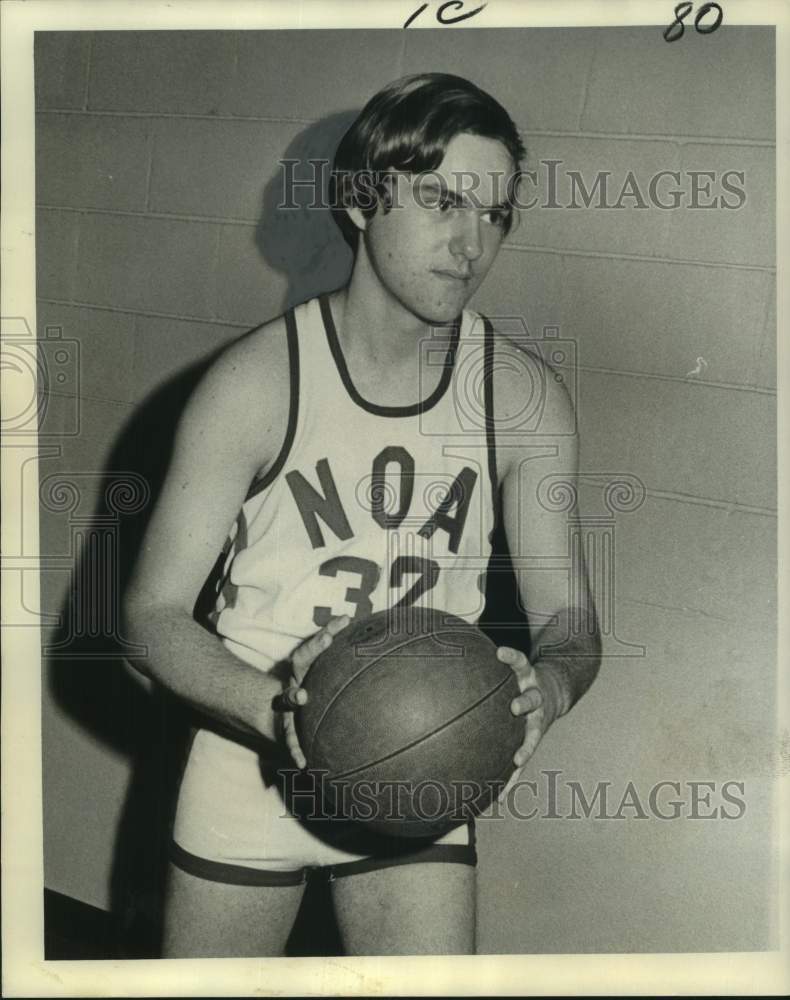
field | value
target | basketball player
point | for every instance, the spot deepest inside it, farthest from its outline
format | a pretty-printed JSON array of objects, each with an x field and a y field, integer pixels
[{"x": 333, "y": 455}]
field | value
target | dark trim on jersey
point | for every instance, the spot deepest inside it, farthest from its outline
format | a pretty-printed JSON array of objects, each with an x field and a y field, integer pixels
[
  {"x": 230, "y": 874},
  {"x": 293, "y": 411},
  {"x": 490, "y": 420},
  {"x": 412, "y": 410}
]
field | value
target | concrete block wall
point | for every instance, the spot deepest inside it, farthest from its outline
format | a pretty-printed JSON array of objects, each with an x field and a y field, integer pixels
[{"x": 158, "y": 241}]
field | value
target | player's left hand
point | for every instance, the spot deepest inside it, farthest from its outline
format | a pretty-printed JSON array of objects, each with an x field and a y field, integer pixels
[{"x": 537, "y": 701}]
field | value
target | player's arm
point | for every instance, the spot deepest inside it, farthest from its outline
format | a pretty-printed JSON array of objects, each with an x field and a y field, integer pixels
[
  {"x": 565, "y": 643},
  {"x": 232, "y": 426}
]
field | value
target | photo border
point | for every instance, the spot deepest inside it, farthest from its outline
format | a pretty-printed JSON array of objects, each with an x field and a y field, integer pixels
[{"x": 25, "y": 973}]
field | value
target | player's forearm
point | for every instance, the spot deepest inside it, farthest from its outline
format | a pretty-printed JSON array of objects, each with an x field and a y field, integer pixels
[
  {"x": 194, "y": 665},
  {"x": 568, "y": 652}
]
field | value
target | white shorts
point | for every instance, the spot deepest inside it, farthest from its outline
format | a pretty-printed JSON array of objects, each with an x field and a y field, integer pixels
[{"x": 232, "y": 824}]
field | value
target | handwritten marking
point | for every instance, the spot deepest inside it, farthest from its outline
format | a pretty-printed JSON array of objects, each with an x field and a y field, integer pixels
[
  {"x": 442, "y": 17},
  {"x": 702, "y": 364},
  {"x": 415, "y": 14},
  {"x": 676, "y": 30}
]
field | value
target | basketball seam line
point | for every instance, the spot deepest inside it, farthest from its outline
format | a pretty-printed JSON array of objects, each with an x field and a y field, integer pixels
[
  {"x": 367, "y": 666},
  {"x": 425, "y": 736},
  {"x": 502, "y": 776}
]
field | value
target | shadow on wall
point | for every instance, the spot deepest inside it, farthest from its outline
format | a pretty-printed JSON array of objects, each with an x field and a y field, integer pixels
[
  {"x": 86, "y": 672},
  {"x": 90, "y": 681},
  {"x": 87, "y": 675},
  {"x": 297, "y": 235}
]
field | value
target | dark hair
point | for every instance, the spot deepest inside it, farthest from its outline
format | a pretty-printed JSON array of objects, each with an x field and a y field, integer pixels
[{"x": 407, "y": 126}]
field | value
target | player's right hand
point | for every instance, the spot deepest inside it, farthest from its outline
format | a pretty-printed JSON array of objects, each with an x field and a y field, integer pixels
[{"x": 294, "y": 696}]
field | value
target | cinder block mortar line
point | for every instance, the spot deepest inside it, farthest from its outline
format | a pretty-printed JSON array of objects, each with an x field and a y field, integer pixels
[
  {"x": 676, "y": 496},
  {"x": 606, "y": 255},
  {"x": 512, "y": 247},
  {"x": 149, "y": 167},
  {"x": 707, "y": 383},
  {"x": 272, "y": 120},
  {"x": 586, "y": 89},
  {"x": 689, "y": 609},
  {"x": 216, "y": 220},
  {"x": 88, "y": 64},
  {"x": 721, "y": 140},
  {"x": 75, "y": 304}
]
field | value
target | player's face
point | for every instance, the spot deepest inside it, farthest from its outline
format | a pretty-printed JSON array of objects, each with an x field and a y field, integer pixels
[{"x": 433, "y": 248}]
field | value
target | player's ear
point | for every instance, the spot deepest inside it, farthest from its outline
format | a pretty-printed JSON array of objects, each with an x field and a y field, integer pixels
[
  {"x": 352, "y": 194},
  {"x": 358, "y": 217},
  {"x": 370, "y": 192}
]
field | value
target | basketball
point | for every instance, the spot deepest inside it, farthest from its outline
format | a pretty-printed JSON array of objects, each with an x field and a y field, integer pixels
[{"x": 408, "y": 722}]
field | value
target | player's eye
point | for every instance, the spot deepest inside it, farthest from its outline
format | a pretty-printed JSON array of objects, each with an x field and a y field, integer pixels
[{"x": 496, "y": 217}]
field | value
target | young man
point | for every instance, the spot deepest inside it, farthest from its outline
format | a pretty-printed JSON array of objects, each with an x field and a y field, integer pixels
[{"x": 332, "y": 452}]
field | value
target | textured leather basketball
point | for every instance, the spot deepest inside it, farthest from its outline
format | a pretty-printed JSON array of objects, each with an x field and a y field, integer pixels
[{"x": 408, "y": 722}]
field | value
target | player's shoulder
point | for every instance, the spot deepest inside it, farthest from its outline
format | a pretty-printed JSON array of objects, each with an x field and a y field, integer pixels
[
  {"x": 260, "y": 353},
  {"x": 527, "y": 387},
  {"x": 256, "y": 363},
  {"x": 244, "y": 392}
]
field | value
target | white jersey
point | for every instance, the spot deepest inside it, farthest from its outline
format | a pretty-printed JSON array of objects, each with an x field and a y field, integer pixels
[{"x": 366, "y": 506}]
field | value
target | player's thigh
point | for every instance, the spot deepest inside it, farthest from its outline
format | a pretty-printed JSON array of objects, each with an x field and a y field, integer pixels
[
  {"x": 206, "y": 919},
  {"x": 423, "y": 908}
]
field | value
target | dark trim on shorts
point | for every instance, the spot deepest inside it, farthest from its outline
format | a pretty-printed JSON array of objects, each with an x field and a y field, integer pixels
[
  {"x": 293, "y": 410},
  {"x": 221, "y": 871}
]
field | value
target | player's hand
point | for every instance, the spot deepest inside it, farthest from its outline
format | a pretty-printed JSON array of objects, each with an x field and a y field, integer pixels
[
  {"x": 537, "y": 701},
  {"x": 294, "y": 696}
]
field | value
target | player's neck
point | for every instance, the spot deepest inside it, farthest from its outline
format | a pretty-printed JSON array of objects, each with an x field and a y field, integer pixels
[{"x": 373, "y": 324}]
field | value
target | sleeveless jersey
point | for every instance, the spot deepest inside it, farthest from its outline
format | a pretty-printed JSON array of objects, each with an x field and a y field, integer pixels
[{"x": 367, "y": 506}]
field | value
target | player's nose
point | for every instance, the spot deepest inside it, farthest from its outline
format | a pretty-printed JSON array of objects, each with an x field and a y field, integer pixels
[{"x": 466, "y": 239}]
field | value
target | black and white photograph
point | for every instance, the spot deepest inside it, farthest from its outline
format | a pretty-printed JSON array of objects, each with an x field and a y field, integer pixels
[{"x": 392, "y": 465}]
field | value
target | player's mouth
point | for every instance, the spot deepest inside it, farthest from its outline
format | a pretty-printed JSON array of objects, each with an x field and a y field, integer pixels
[{"x": 460, "y": 277}]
